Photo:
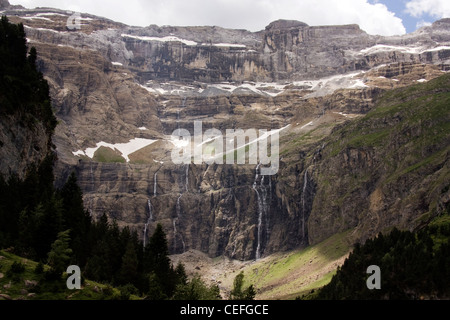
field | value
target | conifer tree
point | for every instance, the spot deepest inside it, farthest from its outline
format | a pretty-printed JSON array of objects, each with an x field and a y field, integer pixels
[
  {"x": 156, "y": 260},
  {"x": 59, "y": 256},
  {"x": 129, "y": 272},
  {"x": 76, "y": 218},
  {"x": 238, "y": 293}
]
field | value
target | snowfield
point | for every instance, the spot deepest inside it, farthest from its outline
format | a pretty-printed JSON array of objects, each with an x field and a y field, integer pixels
[{"x": 124, "y": 148}]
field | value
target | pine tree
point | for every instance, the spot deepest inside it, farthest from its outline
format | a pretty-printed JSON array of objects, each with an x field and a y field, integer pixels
[
  {"x": 157, "y": 253},
  {"x": 155, "y": 290},
  {"x": 250, "y": 293},
  {"x": 76, "y": 218},
  {"x": 180, "y": 271},
  {"x": 236, "y": 293},
  {"x": 157, "y": 261},
  {"x": 59, "y": 256},
  {"x": 128, "y": 272}
]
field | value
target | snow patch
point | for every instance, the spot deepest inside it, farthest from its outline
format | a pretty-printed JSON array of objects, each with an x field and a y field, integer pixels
[
  {"x": 404, "y": 49},
  {"x": 163, "y": 39},
  {"x": 231, "y": 45},
  {"x": 79, "y": 153},
  {"x": 154, "y": 90},
  {"x": 307, "y": 125},
  {"x": 124, "y": 148},
  {"x": 116, "y": 64},
  {"x": 179, "y": 143},
  {"x": 44, "y": 29},
  {"x": 50, "y": 14},
  {"x": 437, "y": 49},
  {"x": 358, "y": 84},
  {"x": 39, "y": 18}
]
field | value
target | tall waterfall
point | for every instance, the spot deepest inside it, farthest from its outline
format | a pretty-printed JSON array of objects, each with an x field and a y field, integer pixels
[
  {"x": 154, "y": 184},
  {"x": 263, "y": 209},
  {"x": 92, "y": 177},
  {"x": 305, "y": 186},
  {"x": 186, "y": 185},
  {"x": 178, "y": 217},
  {"x": 150, "y": 219},
  {"x": 175, "y": 222}
]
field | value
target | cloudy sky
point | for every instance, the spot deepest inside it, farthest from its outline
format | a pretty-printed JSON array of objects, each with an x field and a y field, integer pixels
[{"x": 385, "y": 17}]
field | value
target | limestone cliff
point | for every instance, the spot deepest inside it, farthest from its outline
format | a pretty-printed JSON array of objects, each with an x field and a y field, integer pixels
[{"x": 112, "y": 83}]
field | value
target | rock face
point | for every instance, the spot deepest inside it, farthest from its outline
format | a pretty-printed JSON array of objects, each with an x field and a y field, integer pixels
[
  {"x": 21, "y": 145},
  {"x": 286, "y": 50},
  {"x": 4, "y": 4},
  {"x": 114, "y": 83}
]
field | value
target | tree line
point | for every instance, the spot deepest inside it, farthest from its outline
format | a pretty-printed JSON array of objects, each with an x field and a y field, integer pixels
[{"x": 414, "y": 265}]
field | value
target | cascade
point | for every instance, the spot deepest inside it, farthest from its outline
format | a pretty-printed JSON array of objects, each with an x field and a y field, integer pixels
[
  {"x": 174, "y": 222},
  {"x": 178, "y": 213},
  {"x": 187, "y": 178},
  {"x": 92, "y": 176},
  {"x": 154, "y": 184},
  {"x": 265, "y": 206},
  {"x": 175, "y": 231},
  {"x": 150, "y": 219},
  {"x": 305, "y": 186},
  {"x": 260, "y": 212}
]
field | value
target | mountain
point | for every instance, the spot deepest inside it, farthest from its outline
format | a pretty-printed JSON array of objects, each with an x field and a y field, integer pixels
[
  {"x": 26, "y": 117},
  {"x": 349, "y": 158}
]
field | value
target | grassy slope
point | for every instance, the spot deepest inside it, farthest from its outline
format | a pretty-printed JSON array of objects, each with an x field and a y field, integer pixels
[
  {"x": 104, "y": 154},
  {"x": 14, "y": 286},
  {"x": 285, "y": 276}
]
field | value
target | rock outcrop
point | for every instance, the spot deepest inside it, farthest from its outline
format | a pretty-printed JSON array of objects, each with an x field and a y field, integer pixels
[
  {"x": 21, "y": 145},
  {"x": 4, "y": 4}
]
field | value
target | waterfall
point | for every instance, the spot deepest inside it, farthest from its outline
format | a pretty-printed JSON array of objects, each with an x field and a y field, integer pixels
[
  {"x": 305, "y": 185},
  {"x": 175, "y": 221},
  {"x": 256, "y": 176},
  {"x": 263, "y": 200},
  {"x": 149, "y": 203},
  {"x": 187, "y": 178},
  {"x": 92, "y": 177},
  {"x": 150, "y": 219},
  {"x": 175, "y": 231},
  {"x": 265, "y": 206},
  {"x": 175, "y": 234},
  {"x": 154, "y": 184},
  {"x": 260, "y": 211},
  {"x": 178, "y": 212}
]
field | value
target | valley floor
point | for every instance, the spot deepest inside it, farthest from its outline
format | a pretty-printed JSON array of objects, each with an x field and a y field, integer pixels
[{"x": 281, "y": 276}]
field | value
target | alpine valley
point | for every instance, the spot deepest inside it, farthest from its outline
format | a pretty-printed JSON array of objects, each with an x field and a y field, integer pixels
[{"x": 363, "y": 123}]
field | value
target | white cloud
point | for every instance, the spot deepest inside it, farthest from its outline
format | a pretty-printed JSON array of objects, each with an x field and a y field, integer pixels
[
  {"x": 435, "y": 8},
  {"x": 423, "y": 23},
  {"x": 254, "y": 15}
]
